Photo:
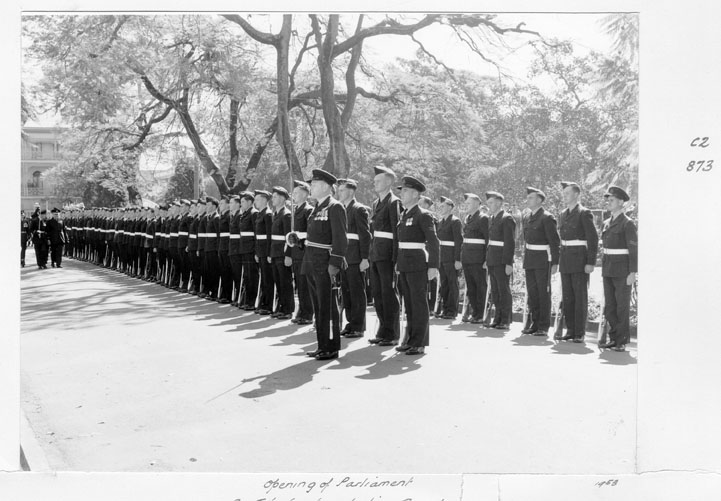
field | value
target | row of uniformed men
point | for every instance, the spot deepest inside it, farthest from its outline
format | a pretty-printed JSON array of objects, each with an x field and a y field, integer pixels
[{"x": 396, "y": 242}]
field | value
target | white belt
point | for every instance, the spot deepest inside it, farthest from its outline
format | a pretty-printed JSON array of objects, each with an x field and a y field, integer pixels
[
  {"x": 319, "y": 246},
  {"x": 303, "y": 234},
  {"x": 573, "y": 243},
  {"x": 192, "y": 236},
  {"x": 247, "y": 234},
  {"x": 411, "y": 245},
  {"x": 202, "y": 235},
  {"x": 447, "y": 243},
  {"x": 182, "y": 233},
  {"x": 225, "y": 234},
  {"x": 148, "y": 235},
  {"x": 261, "y": 237},
  {"x": 235, "y": 236},
  {"x": 538, "y": 247},
  {"x": 278, "y": 237},
  {"x": 474, "y": 241},
  {"x": 352, "y": 236},
  {"x": 616, "y": 252},
  {"x": 211, "y": 235},
  {"x": 383, "y": 234},
  {"x": 173, "y": 234},
  {"x": 495, "y": 243}
]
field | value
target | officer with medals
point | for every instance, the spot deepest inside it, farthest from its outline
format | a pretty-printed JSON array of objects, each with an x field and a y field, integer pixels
[
  {"x": 499, "y": 259},
  {"x": 301, "y": 213},
  {"x": 450, "y": 235},
  {"x": 280, "y": 255},
  {"x": 326, "y": 246},
  {"x": 263, "y": 228},
  {"x": 427, "y": 204},
  {"x": 473, "y": 257},
  {"x": 579, "y": 245},
  {"x": 57, "y": 238},
  {"x": 384, "y": 226},
  {"x": 359, "y": 242},
  {"x": 249, "y": 287},
  {"x": 540, "y": 261},
  {"x": 619, "y": 267},
  {"x": 418, "y": 259}
]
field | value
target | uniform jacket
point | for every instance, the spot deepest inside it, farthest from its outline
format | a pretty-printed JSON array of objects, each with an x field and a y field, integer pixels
[
  {"x": 247, "y": 226},
  {"x": 212, "y": 231},
  {"x": 577, "y": 224},
  {"x": 40, "y": 232},
  {"x": 417, "y": 225},
  {"x": 384, "y": 217},
  {"x": 202, "y": 226},
  {"x": 234, "y": 230},
  {"x": 224, "y": 232},
  {"x": 476, "y": 227},
  {"x": 263, "y": 228},
  {"x": 193, "y": 234},
  {"x": 540, "y": 229},
  {"x": 279, "y": 229},
  {"x": 183, "y": 231},
  {"x": 359, "y": 234},
  {"x": 450, "y": 230},
  {"x": 327, "y": 226},
  {"x": 174, "y": 226},
  {"x": 300, "y": 224},
  {"x": 501, "y": 227},
  {"x": 56, "y": 232},
  {"x": 619, "y": 233}
]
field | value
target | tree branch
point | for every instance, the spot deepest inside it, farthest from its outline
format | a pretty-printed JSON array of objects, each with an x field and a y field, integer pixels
[
  {"x": 148, "y": 126},
  {"x": 385, "y": 27},
  {"x": 255, "y": 34},
  {"x": 438, "y": 62}
]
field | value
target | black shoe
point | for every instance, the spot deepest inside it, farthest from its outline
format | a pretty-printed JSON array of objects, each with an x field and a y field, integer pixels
[
  {"x": 493, "y": 325},
  {"x": 402, "y": 348},
  {"x": 567, "y": 337},
  {"x": 283, "y": 316},
  {"x": 59, "y": 266},
  {"x": 620, "y": 347},
  {"x": 466, "y": 319},
  {"x": 503, "y": 327},
  {"x": 578, "y": 340},
  {"x": 448, "y": 317},
  {"x": 183, "y": 289},
  {"x": 312, "y": 354},
  {"x": 387, "y": 342},
  {"x": 224, "y": 301},
  {"x": 275, "y": 314},
  {"x": 295, "y": 321},
  {"x": 264, "y": 312},
  {"x": 529, "y": 330},
  {"x": 416, "y": 350},
  {"x": 354, "y": 334},
  {"x": 304, "y": 321},
  {"x": 249, "y": 307},
  {"x": 375, "y": 340},
  {"x": 326, "y": 355},
  {"x": 476, "y": 320},
  {"x": 541, "y": 333},
  {"x": 53, "y": 265}
]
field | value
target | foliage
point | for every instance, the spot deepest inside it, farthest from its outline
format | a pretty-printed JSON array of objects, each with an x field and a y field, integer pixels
[{"x": 180, "y": 184}]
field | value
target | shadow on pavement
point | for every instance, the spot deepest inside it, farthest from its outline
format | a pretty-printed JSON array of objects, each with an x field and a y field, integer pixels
[
  {"x": 358, "y": 358},
  {"x": 571, "y": 348},
  {"x": 393, "y": 366},
  {"x": 610, "y": 357},
  {"x": 287, "y": 378},
  {"x": 529, "y": 340}
]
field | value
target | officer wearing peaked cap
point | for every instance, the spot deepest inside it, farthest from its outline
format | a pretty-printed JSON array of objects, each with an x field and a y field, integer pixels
[
  {"x": 619, "y": 267},
  {"x": 263, "y": 235},
  {"x": 473, "y": 257},
  {"x": 426, "y": 203},
  {"x": 248, "y": 215},
  {"x": 450, "y": 235},
  {"x": 579, "y": 245},
  {"x": 324, "y": 257},
  {"x": 385, "y": 214},
  {"x": 540, "y": 261},
  {"x": 279, "y": 251},
  {"x": 57, "y": 237},
  {"x": 418, "y": 252},
  {"x": 499, "y": 259}
]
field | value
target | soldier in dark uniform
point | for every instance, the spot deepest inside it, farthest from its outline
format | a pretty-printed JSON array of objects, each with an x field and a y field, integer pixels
[
  {"x": 473, "y": 257},
  {"x": 202, "y": 226},
  {"x": 427, "y": 204},
  {"x": 384, "y": 226},
  {"x": 359, "y": 242},
  {"x": 417, "y": 264},
  {"x": 25, "y": 235},
  {"x": 450, "y": 235},
  {"x": 301, "y": 213},
  {"x": 183, "y": 233},
  {"x": 280, "y": 255},
  {"x": 173, "y": 245},
  {"x": 40, "y": 239},
  {"x": 248, "y": 215},
  {"x": 579, "y": 245},
  {"x": 540, "y": 261},
  {"x": 226, "y": 269},
  {"x": 212, "y": 235},
  {"x": 326, "y": 247},
  {"x": 619, "y": 268},
  {"x": 192, "y": 249},
  {"x": 263, "y": 228},
  {"x": 57, "y": 238},
  {"x": 236, "y": 265},
  {"x": 499, "y": 259}
]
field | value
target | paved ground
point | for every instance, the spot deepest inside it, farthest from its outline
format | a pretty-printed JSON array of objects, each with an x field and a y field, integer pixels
[{"x": 122, "y": 375}]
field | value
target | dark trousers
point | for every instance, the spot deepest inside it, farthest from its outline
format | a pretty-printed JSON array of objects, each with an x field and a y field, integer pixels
[
  {"x": 251, "y": 275},
  {"x": 476, "y": 286},
  {"x": 449, "y": 289},
  {"x": 56, "y": 254},
  {"x": 41, "y": 254},
  {"x": 538, "y": 286},
  {"x": 325, "y": 308},
  {"x": 184, "y": 267},
  {"x": 23, "y": 248},
  {"x": 236, "y": 266},
  {"x": 501, "y": 294},
  {"x": 354, "y": 297},
  {"x": 617, "y": 310},
  {"x": 414, "y": 289},
  {"x": 432, "y": 294},
  {"x": 266, "y": 284},
  {"x": 226, "y": 275},
  {"x": 283, "y": 278},
  {"x": 202, "y": 280},
  {"x": 305, "y": 302},
  {"x": 574, "y": 287},
  {"x": 385, "y": 300},
  {"x": 212, "y": 273},
  {"x": 194, "y": 266}
]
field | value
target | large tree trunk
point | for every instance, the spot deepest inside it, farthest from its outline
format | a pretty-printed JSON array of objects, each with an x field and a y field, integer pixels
[
  {"x": 233, "y": 144},
  {"x": 283, "y": 133}
]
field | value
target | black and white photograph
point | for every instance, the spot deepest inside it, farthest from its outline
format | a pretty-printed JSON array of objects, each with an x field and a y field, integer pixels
[{"x": 374, "y": 246}]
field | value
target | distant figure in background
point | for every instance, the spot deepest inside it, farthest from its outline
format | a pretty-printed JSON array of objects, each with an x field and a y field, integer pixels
[{"x": 24, "y": 236}]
